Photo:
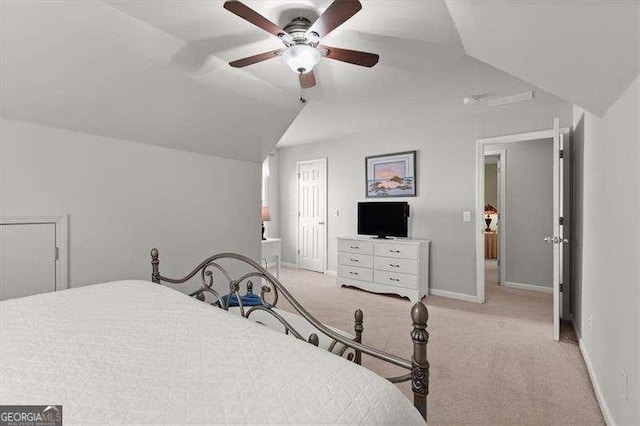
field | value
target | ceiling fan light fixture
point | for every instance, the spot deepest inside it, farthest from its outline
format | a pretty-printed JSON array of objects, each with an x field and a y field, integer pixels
[
  {"x": 301, "y": 58},
  {"x": 313, "y": 38}
]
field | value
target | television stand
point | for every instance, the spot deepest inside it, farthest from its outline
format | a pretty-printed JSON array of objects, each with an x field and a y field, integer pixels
[{"x": 385, "y": 265}]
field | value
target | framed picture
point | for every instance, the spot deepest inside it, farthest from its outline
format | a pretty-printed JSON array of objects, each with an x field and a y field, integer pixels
[{"x": 391, "y": 175}]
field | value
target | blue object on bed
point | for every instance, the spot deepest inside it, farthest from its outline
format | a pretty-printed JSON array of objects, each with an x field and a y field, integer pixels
[{"x": 248, "y": 299}]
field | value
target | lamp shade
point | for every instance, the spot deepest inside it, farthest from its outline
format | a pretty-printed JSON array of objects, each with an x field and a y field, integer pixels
[
  {"x": 301, "y": 58},
  {"x": 266, "y": 214},
  {"x": 489, "y": 209}
]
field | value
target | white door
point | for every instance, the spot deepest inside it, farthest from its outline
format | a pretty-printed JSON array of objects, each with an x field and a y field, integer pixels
[
  {"x": 557, "y": 239},
  {"x": 27, "y": 259},
  {"x": 312, "y": 212}
]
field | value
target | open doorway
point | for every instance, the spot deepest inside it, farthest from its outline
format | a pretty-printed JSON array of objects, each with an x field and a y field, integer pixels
[
  {"x": 530, "y": 219},
  {"x": 521, "y": 259}
]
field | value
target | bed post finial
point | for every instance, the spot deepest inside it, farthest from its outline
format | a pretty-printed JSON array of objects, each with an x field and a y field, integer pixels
[
  {"x": 155, "y": 266},
  {"x": 313, "y": 339},
  {"x": 358, "y": 328},
  {"x": 419, "y": 363}
]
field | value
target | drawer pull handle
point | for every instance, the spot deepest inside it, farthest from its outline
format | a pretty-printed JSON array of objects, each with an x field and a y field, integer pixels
[
  {"x": 394, "y": 265},
  {"x": 394, "y": 251},
  {"x": 354, "y": 260},
  {"x": 354, "y": 247},
  {"x": 353, "y": 273},
  {"x": 394, "y": 279}
]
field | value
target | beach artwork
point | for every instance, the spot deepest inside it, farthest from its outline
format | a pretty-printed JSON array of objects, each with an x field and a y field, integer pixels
[{"x": 391, "y": 175}]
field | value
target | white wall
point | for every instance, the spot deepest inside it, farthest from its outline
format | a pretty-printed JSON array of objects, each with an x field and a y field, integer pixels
[
  {"x": 491, "y": 184},
  {"x": 446, "y": 143},
  {"x": 123, "y": 198},
  {"x": 528, "y": 216},
  {"x": 607, "y": 191}
]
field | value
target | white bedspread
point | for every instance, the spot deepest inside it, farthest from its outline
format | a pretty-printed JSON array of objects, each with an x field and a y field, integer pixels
[{"x": 138, "y": 352}]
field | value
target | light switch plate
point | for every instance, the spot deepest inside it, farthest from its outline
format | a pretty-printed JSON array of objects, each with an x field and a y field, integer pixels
[{"x": 466, "y": 216}]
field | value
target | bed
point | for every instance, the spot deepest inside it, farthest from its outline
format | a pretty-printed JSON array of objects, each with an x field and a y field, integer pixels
[{"x": 140, "y": 352}]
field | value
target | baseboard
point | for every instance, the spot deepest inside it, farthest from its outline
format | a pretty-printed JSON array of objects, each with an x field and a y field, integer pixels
[
  {"x": 575, "y": 328},
  {"x": 331, "y": 273},
  {"x": 453, "y": 295},
  {"x": 289, "y": 265},
  {"x": 604, "y": 408},
  {"x": 531, "y": 287}
]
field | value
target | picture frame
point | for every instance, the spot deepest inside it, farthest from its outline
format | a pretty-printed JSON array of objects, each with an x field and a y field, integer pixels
[{"x": 391, "y": 175}]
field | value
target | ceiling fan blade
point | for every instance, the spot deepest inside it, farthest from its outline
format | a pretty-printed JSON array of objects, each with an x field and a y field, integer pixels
[
  {"x": 355, "y": 57},
  {"x": 336, "y": 14},
  {"x": 307, "y": 80},
  {"x": 250, "y": 60},
  {"x": 250, "y": 15}
]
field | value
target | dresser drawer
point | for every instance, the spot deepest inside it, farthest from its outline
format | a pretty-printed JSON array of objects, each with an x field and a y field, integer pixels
[
  {"x": 390, "y": 264},
  {"x": 355, "y": 246},
  {"x": 354, "y": 259},
  {"x": 404, "y": 251},
  {"x": 396, "y": 279},
  {"x": 354, "y": 273}
]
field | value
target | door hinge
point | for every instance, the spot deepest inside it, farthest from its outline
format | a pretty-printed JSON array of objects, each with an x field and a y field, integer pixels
[
  {"x": 561, "y": 220},
  {"x": 298, "y": 252},
  {"x": 561, "y": 288},
  {"x": 56, "y": 253},
  {"x": 562, "y": 153}
]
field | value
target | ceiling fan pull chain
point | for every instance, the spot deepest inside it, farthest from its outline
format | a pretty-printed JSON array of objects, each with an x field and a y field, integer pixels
[{"x": 302, "y": 98}]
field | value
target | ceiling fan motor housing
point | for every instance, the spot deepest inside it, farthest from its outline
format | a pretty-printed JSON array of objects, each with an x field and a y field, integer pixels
[{"x": 297, "y": 30}]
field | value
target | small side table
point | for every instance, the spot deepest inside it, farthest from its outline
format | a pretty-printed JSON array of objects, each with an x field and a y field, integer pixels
[
  {"x": 272, "y": 247},
  {"x": 490, "y": 245}
]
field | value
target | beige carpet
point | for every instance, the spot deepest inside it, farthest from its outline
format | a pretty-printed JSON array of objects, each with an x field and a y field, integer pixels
[{"x": 492, "y": 363}]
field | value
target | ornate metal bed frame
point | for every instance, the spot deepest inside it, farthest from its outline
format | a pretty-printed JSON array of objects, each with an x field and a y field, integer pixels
[{"x": 353, "y": 349}]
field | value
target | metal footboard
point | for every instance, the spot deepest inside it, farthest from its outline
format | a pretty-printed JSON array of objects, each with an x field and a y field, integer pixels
[{"x": 271, "y": 288}]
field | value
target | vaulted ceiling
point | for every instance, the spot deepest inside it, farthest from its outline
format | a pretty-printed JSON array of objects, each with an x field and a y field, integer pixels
[
  {"x": 157, "y": 72},
  {"x": 89, "y": 67},
  {"x": 585, "y": 52}
]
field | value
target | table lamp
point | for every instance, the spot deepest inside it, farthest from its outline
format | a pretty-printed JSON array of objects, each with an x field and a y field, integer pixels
[
  {"x": 266, "y": 217},
  {"x": 488, "y": 211}
]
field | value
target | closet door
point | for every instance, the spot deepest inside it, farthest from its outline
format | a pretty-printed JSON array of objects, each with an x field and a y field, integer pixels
[{"x": 27, "y": 259}]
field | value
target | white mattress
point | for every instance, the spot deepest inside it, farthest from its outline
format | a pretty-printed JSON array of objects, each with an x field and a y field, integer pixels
[{"x": 138, "y": 352}]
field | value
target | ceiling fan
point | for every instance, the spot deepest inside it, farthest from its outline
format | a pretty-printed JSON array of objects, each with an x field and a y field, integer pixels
[{"x": 301, "y": 38}]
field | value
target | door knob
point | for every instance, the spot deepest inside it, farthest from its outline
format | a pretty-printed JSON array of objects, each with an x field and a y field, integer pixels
[{"x": 556, "y": 240}]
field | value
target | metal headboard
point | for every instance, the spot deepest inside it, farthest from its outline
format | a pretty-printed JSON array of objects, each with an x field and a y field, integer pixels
[{"x": 418, "y": 366}]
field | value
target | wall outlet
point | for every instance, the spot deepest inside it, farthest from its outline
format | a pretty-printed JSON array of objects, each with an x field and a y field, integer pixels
[
  {"x": 590, "y": 322},
  {"x": 466, "y": 216},
  {"x": 625, "y": 384}
]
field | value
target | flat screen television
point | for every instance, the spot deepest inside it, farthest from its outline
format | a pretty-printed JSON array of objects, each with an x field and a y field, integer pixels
[{"x": 383, "y": 219}]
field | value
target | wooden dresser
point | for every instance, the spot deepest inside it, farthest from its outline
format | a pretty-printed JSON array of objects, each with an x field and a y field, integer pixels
[{"x": 398, "y": 266}]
